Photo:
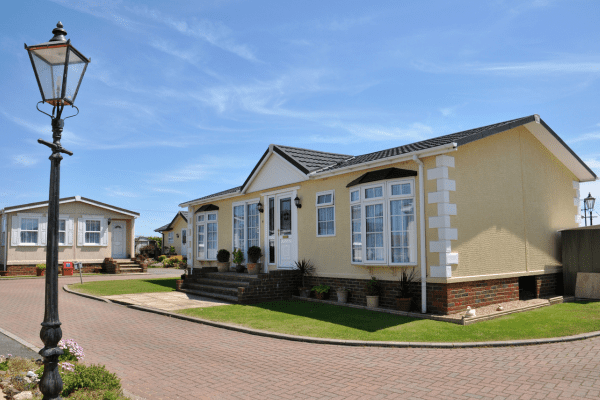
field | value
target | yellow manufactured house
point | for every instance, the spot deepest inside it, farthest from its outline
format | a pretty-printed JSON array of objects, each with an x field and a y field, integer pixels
[
  {"x": 477, "y": 213},
  {"x": 89, "y": 231},
  {"x": 174, "y": 234}
]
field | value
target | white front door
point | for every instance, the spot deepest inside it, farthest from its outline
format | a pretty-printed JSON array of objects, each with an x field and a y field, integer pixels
[
  {"x": 285, "y": 234},
  {"x": 118, "y": 240},
  {"x": 184, "y": 242}
]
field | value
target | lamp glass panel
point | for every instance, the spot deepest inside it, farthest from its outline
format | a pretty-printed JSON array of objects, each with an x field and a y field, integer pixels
[
  {"x": 589, "y": 202},
  {"x": 76, "y": 68},
  {"x": 49, "y": 71}
]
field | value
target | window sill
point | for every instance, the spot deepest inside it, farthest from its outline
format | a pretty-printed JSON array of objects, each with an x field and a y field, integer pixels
[
  {"x": 372, "y": 264},
  {"x": 324, "y": 236}
]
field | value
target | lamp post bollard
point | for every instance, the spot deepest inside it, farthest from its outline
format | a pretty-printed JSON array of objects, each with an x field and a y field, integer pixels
[{"x": 53, "y": 62}]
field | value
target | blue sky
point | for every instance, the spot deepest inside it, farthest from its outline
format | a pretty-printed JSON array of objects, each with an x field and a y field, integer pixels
[{"x": 182, "y": 98}]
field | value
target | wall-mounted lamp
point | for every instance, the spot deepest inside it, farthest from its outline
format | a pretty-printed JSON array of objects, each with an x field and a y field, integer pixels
[
  {"x": 297, "y": 202},
  {"x": 260, "y": 207},
  {"x": 177, "y": 234},
  {"x": 109, "y": 220}
]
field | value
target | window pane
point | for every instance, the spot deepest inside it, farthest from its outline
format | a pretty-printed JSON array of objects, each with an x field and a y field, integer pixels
[
  {"x": 325, "y": 219},
  {"x": 271, "y": 251},
  {"x": 253, "y": 231},
  {"x": 324, "y": 199},
  {"x": 212, "y": 217},
  {"x": 61, "y": 225},
  {"x": 355, "y": 196},
  {"x": 61, "y": 238},
  {"x": 92, "y": 238},
  {"x": 200, "y": 218},
  {"x": 401, "y": 189},
  {"x": 201, "y": 254},
  {"x": 272, "y": 217},
  {"x": 374, "y": 230},
  {"x": 356, "y": 235},
  {"x": 285, "y": 216},
  {"x": 238, "y": 227},
  {"x": 373, "y": 192},
  {"x": 211, "y": 240},
  {"x": 401, "y": 231}
]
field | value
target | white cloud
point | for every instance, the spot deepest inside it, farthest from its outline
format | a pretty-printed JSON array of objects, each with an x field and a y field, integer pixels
[
  {"x": 162, "y": 190},
  {"x": 25, "y": 160},
  {"x": 543, "y": 67},
  {"x": 448, "y": 111},
  {"x": 116, "y": 191},
  {"x": 586, "y": 136},
  {"x": 210, "y": 169},
  {"x": 347, "y": 23}
]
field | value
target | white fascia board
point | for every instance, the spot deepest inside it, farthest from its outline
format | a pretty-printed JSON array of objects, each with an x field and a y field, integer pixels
[
  {"x": 38, "y": 206},
  {"x": 210, "y": 199},
  {"x": 257, "y": 171},
  {"x": 385, "y": 161},
  {"x": 560, "y": 151},
  {"x": 108, "y": 208}
]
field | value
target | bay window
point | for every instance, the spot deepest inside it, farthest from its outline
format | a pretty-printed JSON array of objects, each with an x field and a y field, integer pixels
[{"x": 383, "y": 228}]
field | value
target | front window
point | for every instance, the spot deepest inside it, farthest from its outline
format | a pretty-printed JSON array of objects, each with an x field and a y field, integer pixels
[
  {"x": 29, "y": 230},
  {"x": 207, "y": 237},
  {"x": 171, "y": 240},
  {"x": 325, "y": 214},
  {"x": 246, "y": 226},
  {"x": 62, "y": 231},
  {"x": 238, "y": 228},
  {"x": 92, "y": 232},
  {"x": 384, "y": 215}
]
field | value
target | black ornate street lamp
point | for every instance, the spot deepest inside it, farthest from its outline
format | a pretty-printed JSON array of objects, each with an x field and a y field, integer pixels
[
  {"x": 588, "y": 204},
  {"x": 59, "y": 69}
]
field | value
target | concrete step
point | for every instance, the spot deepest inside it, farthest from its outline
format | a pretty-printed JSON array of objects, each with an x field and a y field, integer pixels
[
  {"x": 229, "y": 291},
  {"x": 231, "y": 299},
  {"x": 220, "y": 282},
  {"x": 129, "y": 270},
  {"x": 129, "y": 264},
  {"x": 231, "y": 276}
]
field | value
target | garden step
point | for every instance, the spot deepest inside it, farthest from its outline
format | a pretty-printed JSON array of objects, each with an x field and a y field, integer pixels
[
  {"x": 131, "y": 269},
  {"x": 129, "y": 264},
  {"x": 231, "y": 299},
  {"x": 229, "y": 291},
  {"x": 231, "y": 276},
  {"x": 221, "y": 282}
]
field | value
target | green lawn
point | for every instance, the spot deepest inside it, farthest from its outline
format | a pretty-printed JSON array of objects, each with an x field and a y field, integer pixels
[
  {"x": 329, "y": 321},
  {"x": 108, "y": 288}
]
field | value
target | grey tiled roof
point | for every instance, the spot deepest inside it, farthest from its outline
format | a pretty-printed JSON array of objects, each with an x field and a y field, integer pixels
[
  {"x": 312, "y": 160},
  {"x": 162, "y": 228},
  {"x": 459, "y": 137}
]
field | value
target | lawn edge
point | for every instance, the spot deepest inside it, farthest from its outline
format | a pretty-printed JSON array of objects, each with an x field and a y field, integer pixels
[{"x": 341, "y": 342}]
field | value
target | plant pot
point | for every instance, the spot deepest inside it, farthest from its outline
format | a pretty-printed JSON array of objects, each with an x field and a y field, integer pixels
[
  {"x": 342, "y": 296},
  {"x": 40, "y": 272},
  {"x": 403, "y": 304},
  {"x": 178, "y": 284},
  {"x": 304, "y": 292},
  {"x": 239, "y": 269},
  {"x": 223, "y": 266},
  {"x": 253, "y": 268},
  {"x": 372, "y": 301},
  {"x": 321, "y": 296}
]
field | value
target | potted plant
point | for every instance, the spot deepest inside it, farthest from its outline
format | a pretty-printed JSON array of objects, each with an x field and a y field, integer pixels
[
  {"x": 404, "y": 298},
  {"x": 223, "y": 260},
  {"x": 373, "y": 289},
  {"x": 40, "y": 269},
  {"x": 254, "y": 254},
  {"x": 306, "y": 268},
  {"x": 172, "y": 250},
  {"x": 342, "y": 294},
  {"x": 321, "y": 291},
  {"x": 238, "y": 259}
]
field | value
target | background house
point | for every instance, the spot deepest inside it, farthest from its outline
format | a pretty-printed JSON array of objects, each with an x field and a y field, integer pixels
[
  {"x": 175, "y": 234},
  {"x": 89, "y": 232},
  {"x": 477, "y": 212}
]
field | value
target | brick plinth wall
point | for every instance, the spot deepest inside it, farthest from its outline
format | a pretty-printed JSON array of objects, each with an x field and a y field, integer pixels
[
  {"x": 14, "y": 270},
  {"x": 548, "y": 285},
  {"x": 455, "y": 297},
  {"x": 276, "y": 285},
  {"x": 110, "y": 266}
]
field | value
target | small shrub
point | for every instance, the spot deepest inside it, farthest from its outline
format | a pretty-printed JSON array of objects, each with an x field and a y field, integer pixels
[
  {"x": 85, "y": 394},
  {"x": 223, "y": 255},
  {"x": 71, "y": 351},
  {"x": 172, "y": 249},
  {"x": 91, "y": 377},
  {"x": 321, "y": 289},
  {"x": 238, "y": 256},
  {"x": 373, "y": 287},
  {"x": 306, "y": 268},
  {"x": 254, "y": 254},
  {"x": 161, "y": 258},
  {"x": 17, "y": 364},
  {"x": 41, "y": 266}
]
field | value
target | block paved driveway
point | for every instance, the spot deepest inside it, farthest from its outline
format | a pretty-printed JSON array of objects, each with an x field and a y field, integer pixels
[{"x": 158, "y": 357}]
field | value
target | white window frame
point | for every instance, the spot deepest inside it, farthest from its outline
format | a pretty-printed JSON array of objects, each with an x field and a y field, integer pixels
[
  {"x": 330, "y": 204},
  {"x": 171, "y": 237},
  {"x": 245, "y": 203},
  {"x": 81, "y": 230},
  {"x": 99, "y": 232},
  {"x": 204, "y": 221},
  {"x": 3, "y": 231},
  {"x": 42, "y": 226},
  {"x": 385, "y": 201},
  {"x": 65, "y": 231}
]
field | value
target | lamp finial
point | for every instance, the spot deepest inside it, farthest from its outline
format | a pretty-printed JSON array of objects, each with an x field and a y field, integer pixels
[{"x": 59, "y": 33}]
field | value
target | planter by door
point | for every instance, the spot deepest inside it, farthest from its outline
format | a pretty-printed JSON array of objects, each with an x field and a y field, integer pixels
[
  {"x": 178, "y": 283},
  {"x": 403, "y": 304},
  {"x": 40, "y": 272},
  {"x": 253, "y": 268},
  {"x": 304, "y": 292},
  {"x": 342, "y": 296},
  {"x": 320, "y": 296},
  {"x": 223, "y": 266},
  {"x": 372, "y": 301}
]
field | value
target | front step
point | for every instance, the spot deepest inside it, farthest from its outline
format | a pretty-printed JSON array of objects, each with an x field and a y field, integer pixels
[
  {"x": 231, "y": 299},
  {"x": 221, "y": 282},
  {"x": 131, "y": 270},
  {"x": 227, "y": 291},
  {"x": 230, "y": 276}
]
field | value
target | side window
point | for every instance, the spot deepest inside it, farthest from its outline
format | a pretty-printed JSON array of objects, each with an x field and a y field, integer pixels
[{"x": 325, "y": 213}]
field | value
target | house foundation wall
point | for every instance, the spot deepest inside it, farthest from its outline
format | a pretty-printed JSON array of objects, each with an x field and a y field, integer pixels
[
  {"x": 18, "y": 270},
  {"x": 442, "y": 298}
]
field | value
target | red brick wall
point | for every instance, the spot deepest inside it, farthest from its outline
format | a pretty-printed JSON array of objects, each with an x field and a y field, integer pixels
[
  {"x": 14, "y": 270},
  {"x": 475, "y": 294}
]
